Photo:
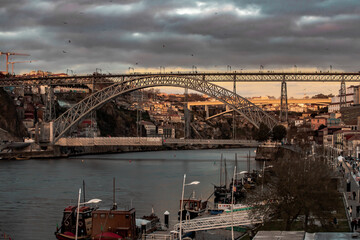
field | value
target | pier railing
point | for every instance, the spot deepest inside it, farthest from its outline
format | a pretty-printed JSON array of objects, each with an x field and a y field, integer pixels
[{"x": 240, "y": 218}]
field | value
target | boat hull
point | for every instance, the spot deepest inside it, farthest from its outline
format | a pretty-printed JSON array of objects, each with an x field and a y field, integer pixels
[{"x": 67, "y": 236}]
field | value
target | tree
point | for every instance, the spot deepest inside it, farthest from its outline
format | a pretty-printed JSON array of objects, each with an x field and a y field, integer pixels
[
  {"x": 263, "y": 133},
  {"x": 300, "y": 185},
  {"x": 278, "y": 133}
]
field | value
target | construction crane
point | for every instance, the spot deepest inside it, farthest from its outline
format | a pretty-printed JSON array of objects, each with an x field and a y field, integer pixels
[
  {"x": 7, "y": 54},
  {"x": 12, "y": 64}
]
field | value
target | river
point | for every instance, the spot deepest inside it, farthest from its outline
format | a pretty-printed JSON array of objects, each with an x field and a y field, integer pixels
[{"x": 34, "y": 192}]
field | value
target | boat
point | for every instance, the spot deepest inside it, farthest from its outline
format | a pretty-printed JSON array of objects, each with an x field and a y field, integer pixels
[
  {"x": 192, "y": 207},
  {"x": 149, "y": 223},
  {"x": 96, "y": 224},
  {"x": 68, "y": 223}
]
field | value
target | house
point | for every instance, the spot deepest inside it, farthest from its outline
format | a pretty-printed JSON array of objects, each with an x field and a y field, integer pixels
[
  {"x": 148, "y": 128},
  {"x": 318, "y": 121},
  {"x": 166, "y": 131},
  {"x": 354, "y": 146},
  {"x": 341, "y": 138}
]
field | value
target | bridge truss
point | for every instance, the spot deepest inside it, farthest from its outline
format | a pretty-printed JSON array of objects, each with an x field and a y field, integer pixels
[
  {"x": 210, "y": 77},
  {"x": 240, "y": 218},
  {"x": 248, "y": 110}
]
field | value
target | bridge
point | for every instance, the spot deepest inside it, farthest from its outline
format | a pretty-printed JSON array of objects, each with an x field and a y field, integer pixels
[
  {"x": 201, "y": 82},
  {"x": 149, "y": 141},
  {"x": 206, "y": 76},
  {"x": 242, "y": 106}
]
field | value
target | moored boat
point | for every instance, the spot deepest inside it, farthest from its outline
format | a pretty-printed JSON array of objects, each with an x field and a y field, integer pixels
[
  {"x": 68, "y": 224},
  {"x": 95, "y": 223},
  {"x": 192, "y": 208}
]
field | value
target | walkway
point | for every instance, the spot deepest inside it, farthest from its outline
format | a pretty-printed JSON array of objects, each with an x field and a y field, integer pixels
[{"x": 239, "y": 218}]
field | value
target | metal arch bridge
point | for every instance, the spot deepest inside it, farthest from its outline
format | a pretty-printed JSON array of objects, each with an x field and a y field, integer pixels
[
  {"x": 206, "y": 76},
  {"x": 239, "y": 218},
  {"x": 248, "y": 110}
]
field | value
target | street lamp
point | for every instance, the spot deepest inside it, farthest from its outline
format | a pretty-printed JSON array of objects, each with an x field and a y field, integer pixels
[
  {"x": 232, "y": 199},
  {"x": 95, "y": 200},
  {"x": 182, "y": 201}
]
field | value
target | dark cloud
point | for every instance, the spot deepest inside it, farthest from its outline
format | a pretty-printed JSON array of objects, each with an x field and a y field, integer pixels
[{"x": 116, "y": 34}]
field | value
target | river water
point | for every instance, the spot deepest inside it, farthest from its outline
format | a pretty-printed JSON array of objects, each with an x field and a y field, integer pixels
[{"x": 33, "y": 193}]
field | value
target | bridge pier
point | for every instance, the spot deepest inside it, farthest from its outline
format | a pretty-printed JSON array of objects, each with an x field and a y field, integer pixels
[
  {"x": 186, "y": 116},
  {"x": 49, "y": 104},
  {"x": 342, "y": 93},
  {"x": 284, "y": 102},
  {"x": 207, "y": 111}
]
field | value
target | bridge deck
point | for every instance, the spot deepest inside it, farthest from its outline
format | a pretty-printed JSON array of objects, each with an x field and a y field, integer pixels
[
  {"x": 207, "y": 76},
  {"x": 149, "y": 141}
]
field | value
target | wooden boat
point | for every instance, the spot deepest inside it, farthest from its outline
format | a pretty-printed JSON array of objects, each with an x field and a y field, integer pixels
[
  {"x": 68, "y": 223},
  {"x": 97, "y": 223},
  {"x": 192, "y": 208}
]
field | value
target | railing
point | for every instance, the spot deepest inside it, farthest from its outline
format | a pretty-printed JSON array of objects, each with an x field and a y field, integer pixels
[
  {"x": 211, "y": 141},
  {"x": 240, "y": 218},
  {"x": 111, "y": 141}
]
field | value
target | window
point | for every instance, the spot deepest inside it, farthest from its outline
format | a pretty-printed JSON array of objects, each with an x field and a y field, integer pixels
[{"x": 103, "y": 215}]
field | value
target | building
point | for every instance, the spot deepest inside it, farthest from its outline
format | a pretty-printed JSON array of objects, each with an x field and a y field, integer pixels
[
  {"x": 352, "y": 98},
  {"x": 354, "y": 146},
  {"x": 166, "y": 131},
  {"x": 149, "y": 128},
  {"x": 318, "y": 121}
]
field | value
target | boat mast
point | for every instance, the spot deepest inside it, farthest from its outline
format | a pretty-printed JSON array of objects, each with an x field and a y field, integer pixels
[
  {"x": 84, "y": 190},
  {"x": 221, "y": 164},
  {"x": 225, "y": 172},
  {"x": 236, "y": 161},
  {"x": 114, "y": 203}
]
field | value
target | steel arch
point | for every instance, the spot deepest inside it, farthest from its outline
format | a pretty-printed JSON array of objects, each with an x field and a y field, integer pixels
[{"x": 244, "y": 107}]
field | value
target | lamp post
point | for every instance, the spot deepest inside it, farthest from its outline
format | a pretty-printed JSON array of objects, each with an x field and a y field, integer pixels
[
  {"x": 95, "y": 200},
  {"x": 232, "y": 199},
  {"x": 232, "y": 205},
  {"x": 182, "y": 202}
]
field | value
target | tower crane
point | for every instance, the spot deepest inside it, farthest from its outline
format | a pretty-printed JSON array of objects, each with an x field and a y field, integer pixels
[
  {"x": 7, "y": 54},
  {"x": 12, "y": 64}
]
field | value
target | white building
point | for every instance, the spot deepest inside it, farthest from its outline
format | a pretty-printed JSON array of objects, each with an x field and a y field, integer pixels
[{"x": 352, "y": 98}]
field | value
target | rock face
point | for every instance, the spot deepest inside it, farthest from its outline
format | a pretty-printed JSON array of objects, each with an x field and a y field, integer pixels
[
  {"x": 116, "y": 122},
  {"x": 9, "y": 119}
]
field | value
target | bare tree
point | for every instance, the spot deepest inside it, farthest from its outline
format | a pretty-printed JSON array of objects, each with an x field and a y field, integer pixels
[{"x": 299, "y": 186}]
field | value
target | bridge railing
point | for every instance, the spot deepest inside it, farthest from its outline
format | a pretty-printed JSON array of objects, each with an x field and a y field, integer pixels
[
  {"x": 210, "y": 141},
  {"x": 111, "y": 141}
]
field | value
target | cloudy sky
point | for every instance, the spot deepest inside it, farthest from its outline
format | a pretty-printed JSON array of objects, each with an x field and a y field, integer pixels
[{"x": 118, "y": 36}]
